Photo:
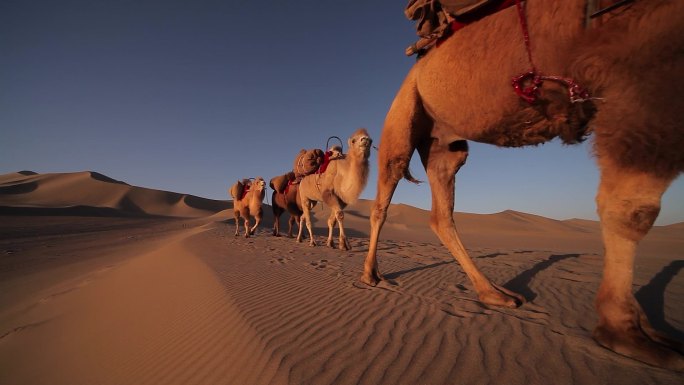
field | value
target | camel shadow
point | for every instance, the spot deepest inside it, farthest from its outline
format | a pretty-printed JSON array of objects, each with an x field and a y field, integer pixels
[
  {"x": 652, "y": 299},
  {"x": 520, "y": 284}
]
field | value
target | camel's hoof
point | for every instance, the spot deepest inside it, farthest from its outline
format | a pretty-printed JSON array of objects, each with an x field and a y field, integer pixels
[
  {"x": 330, "y": 244},
  {"x": 371, "y": 279},
  {"x": 312, "y": 244},
  {"x": 344, "y": 244},
  {"x": 299, "y": 240},
  {"x": 635, "y": 344},
  {"x": 502, "y": 297}
]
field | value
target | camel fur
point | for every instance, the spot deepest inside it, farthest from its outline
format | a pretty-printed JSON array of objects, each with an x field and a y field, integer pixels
[
  {"x": 248, "y": 204},
  {"x": 632, "y": 65},
  {"x": 285, "y": 199},
  {"x": 340, "y": 185}
]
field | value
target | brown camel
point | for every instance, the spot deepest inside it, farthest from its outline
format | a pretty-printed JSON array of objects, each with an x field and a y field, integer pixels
[
  {"x": 286, "y": 199},
  {"x": 633, "y": 67},
  {"x": 340, "y": 185},
  {"x": 247, "y": 202}
]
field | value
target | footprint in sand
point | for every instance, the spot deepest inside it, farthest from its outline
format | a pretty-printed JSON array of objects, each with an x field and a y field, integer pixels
[
  {"x": 321, "y": 264},
  {"x": 281, "y": 260}
]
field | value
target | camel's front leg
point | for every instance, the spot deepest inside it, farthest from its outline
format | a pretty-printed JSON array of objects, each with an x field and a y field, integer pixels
[
  {"x": 388, "y": 178},
  {"x": 257, "y": 220},
  {"x": 628, "y": 204},
  {"x": 290, "y": 225},
  {"x": 306, "y": 218},
  {"x": 276, "y": 225},
  {"x": 331, "y": 226},
  {"x": 256, "y": 224},
  {"x": 397, "y": 144},
  {"x": 336, "y": 216},
  {"x": 344, "y": 243},
  {"x": 236, "y": 215},
  {"x": 246, "y": 218},
  {"x": 441, "y": 163}
]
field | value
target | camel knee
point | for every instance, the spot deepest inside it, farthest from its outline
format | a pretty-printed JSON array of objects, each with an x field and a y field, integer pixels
[
  {"x": 632, "y": 220},
  {"x": 379, "y": 213}
]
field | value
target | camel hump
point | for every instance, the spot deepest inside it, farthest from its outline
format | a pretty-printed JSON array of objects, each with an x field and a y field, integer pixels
[
  {"x": 308, "y": 162},
  {"x": 237, "y": 190},
  {"x": 279, "y": 183}
]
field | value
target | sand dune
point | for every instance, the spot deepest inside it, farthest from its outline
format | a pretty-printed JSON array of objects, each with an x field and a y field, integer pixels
[
  {"x": 163, "y": 293},
  {"x": 91, "y": 193}
]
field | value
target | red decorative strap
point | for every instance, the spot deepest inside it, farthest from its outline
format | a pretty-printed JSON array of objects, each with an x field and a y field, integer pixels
[
  {"x": 531, "y": 92},
  {"x": 245, "y": 190},
  {"x": 326, "y": 161}
]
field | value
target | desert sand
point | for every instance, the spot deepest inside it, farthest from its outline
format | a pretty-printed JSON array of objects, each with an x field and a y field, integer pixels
[{"x": 106, "y": 283}]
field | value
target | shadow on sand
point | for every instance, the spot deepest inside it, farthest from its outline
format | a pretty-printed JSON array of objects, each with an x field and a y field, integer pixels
[
  {"x": 520, "y": 284},
  {"x": 652, "y": 299}
]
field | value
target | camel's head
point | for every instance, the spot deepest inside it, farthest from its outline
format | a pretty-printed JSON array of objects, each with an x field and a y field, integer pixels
[
  {"x": 360, "y": 143},
  {"x": 259, "y": 184}
]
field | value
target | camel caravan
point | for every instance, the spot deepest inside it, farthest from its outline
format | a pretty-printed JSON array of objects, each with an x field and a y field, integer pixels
[
  {"x": 332, "y": 177},
  {"x": 612, "y": 69}
]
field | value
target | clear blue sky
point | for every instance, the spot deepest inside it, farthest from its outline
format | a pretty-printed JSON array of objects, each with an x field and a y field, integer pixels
[{"x": 188, "y": 96}]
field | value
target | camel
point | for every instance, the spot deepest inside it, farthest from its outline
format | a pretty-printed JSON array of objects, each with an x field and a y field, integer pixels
[
  {"x": 287, "y": 200},
  {"x": 339, "y": 186},
  {"x": 632, "y": 66},
  {"x": 247, "y": 201}
]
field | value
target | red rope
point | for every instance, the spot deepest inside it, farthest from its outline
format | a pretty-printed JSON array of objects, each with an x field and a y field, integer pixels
[
  {"x": 531, "y": 92},
  {"x": 526, "y": 33}
]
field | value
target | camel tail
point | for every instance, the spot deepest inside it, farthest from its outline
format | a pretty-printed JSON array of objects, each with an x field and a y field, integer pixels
[{"x": 410, "y": 178}]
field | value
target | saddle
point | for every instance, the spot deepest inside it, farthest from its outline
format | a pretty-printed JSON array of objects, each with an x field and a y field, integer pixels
[
  {"x": 240, "y": 189},
  {"x": 435, "y": 19},
  {"x": 438, "y": 19},
  {"x": 314, "y": 161}
]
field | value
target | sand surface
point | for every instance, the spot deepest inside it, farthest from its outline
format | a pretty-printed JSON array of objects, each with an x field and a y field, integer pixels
[{"x": 106, "y": 283}]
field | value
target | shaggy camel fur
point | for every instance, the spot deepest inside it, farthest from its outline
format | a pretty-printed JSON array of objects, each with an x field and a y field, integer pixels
[
  {"x": 289, "y": 201},
  {"x": 340, "y": 185},
  {"x": 249, "y": 204},
  {"x": 632, "y": 64}
]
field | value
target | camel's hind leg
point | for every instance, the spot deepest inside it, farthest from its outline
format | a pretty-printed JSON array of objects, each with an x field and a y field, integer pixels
[
  {"x": 628, "y": 204},
  {"x": 441, "y": 162}
]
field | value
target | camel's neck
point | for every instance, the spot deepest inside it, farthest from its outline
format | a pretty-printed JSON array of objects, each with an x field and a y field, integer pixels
[
  {"x": 354, "y": 173},
  {"x": 256, "y": 196}
]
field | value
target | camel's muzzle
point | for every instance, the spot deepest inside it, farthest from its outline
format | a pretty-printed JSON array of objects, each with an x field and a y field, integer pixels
[{"x": 366, "y": 141}]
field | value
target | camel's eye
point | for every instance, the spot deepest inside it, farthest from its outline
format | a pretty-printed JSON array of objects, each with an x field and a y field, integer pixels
[{"x": 353, "y": 140}]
